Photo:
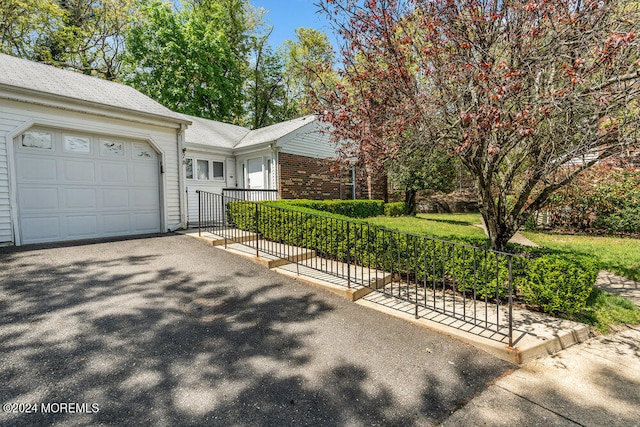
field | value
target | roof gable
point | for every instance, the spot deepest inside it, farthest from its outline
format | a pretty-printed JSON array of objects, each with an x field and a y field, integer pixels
[
  {"x": 213, "y": 133},
  {"x": 274, "y": 132}
]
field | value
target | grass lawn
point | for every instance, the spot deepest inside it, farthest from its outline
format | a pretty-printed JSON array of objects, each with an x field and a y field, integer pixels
[
  {"x": 604, "y": 311},
  {"x": 443, "y": 226},
  {"x": 618, "y": 255}
]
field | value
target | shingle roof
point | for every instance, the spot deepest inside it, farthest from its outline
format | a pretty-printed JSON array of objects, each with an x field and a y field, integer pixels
[
  {"x": 55, "y": 81},
  {"x": 215, "y": 134},
  {"x": 274, "y": 132}
]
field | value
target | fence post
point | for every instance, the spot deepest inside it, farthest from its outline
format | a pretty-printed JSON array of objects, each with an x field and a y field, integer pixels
[
  {"x": 348, "y": 257},
  {"x": 199, "y": 212},
  {"x": 256, "y": 228},
  {"x": 510, "y": 302}
]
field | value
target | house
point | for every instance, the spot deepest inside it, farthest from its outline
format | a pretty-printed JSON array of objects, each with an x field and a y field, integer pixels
[
  {"x": 292, "y": 157},
  {"x": 82, "y": 157}
]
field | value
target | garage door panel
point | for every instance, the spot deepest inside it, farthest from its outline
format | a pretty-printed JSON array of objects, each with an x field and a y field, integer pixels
[
  {"x": 145, "y": 175},
  {"x": 145, "y": 199},
  {"x": 38, "y": 198},
  {"x": 146, "y": 221},
  {"x": 67, "y": 195},
  {"x": 82, "y": 226},
  {"x": 83, "y": 171},
  {"x": 31, "y": 168},
  {"x": 116, "y": 198},
  {"x": 40, "y": 229},
  {"x": 116, "y": 224},
  {"x": 115, "y": 173},
  {"x": 80, "y": 198}
]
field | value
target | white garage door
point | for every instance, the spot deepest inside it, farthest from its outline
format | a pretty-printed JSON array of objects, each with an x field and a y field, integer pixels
[{"x": 73, "y": 186}]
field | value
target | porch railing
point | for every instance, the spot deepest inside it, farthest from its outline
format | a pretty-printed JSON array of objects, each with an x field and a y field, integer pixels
[
  {"x": 470, "y": 284},
  {"x": 250, "y": 194}
]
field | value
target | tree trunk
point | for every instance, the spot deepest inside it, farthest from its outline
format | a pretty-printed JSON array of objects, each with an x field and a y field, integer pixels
[
  {"x": 410, "y": 201},
  {"x": 498, "y": 229}
]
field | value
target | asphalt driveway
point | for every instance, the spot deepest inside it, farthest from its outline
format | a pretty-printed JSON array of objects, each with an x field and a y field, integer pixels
[{"x": 170, "y": 331}]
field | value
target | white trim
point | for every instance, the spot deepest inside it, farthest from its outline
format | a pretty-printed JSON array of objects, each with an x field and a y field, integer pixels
[
  {"x": 31, "y": 96},
  {"x": 182, "y": 191},
  {"x": 11, "y": 140}
]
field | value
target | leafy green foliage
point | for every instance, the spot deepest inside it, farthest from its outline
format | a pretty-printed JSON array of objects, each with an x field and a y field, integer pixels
[
  {"x": 265, "y": 88},
  {"x": 395, "y": 209},
  {"x": 309, "y": 68},
  {"x": 559, "y": 282},
  {"x": 616, "y": 254},
  {"x": 555, "y": 282},
  {"x": 25, "y": 23},
  {"x": 191, "y": 60},
  {"x": 82, "y": 35},
  {"x": 347, "y": 208},
  {"x": 604, "y": 311},
  {"x": 423, "y": 169},
  {"x": 603, "y": 198}
]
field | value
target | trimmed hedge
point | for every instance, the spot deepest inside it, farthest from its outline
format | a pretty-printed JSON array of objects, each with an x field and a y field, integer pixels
[
  {"x": 349, "y": 208},
  {"x": 559, "y": 282},
  {"x": 556, "y": 282},
  {"x": 395, "y": 209}
]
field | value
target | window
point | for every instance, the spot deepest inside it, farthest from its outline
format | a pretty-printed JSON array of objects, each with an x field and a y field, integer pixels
[
  {"x": 218, "y": 170},
  {"x": 33, "y": 139},
  {"x": 112, "y": 148},
  {"x": 203, "y": 169},
  {"x": 142, "y": 151},
  {"x": 189, "y": 167},
  {"x": 77, "y": 144}
]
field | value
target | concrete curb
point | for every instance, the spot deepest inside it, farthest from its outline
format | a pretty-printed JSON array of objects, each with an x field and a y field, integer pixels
[{"x": 549, "y": 337}]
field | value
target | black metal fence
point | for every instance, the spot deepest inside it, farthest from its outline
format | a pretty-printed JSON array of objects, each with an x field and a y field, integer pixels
[
  {"x": 470, "y": 284},
  {"x": 250, "y": 194}
]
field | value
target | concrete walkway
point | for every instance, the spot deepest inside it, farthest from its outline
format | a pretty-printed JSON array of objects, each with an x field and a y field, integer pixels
[
  {"x": 517, "y": 238},
  {"x": 618, "y": 285},
  {"x": 534, "y": 334},
  {"x": 596, "y": 383}
]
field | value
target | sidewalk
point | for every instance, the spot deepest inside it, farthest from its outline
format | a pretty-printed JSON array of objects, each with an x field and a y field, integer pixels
[
  {"x": 534, "y": 334},
  {"x": 596, "y": 383}
]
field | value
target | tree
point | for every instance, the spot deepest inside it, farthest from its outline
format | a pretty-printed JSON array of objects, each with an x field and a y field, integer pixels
[
  {"x": 309, "y": 67},
  {"x": 267, "y": 101},
  {"x": 517, "y": 89},
  {"x": 80, "y": 35},
  {"x": 91, "y": 37},
  {"x": 192, "y": 60},
  {"x": 24, "y": 23},
  {"x": 417, "y": 170}
]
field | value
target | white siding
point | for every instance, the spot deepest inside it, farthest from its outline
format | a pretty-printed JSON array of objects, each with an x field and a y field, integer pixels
[
  {"x": 8, "y": 121},
  {"x": 212, "y": 185},
  {"x": 15, "y": 114},
  {"x": 309, "y": 141}
]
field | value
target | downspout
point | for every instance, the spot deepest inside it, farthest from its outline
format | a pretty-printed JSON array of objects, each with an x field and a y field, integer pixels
[
  {"x": 275, "y": 168},
  {"x": 181, "y": 181}
]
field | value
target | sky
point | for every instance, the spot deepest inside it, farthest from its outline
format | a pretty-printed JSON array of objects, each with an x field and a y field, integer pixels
[{"x": 287, "y": 15}]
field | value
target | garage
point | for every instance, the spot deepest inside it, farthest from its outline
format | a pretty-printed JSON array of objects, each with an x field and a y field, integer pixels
[
  {"x": 76, "y": 186},
  {"x": 84, "y": 158}
]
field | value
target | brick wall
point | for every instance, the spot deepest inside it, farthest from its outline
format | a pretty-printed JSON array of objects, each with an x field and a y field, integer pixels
[{"x": 303, "y": 177}]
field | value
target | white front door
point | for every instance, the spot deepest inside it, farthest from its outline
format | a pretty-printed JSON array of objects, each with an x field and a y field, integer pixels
[
  {"x": 255, "y": 174},
  {"x": 85, "y": 186}
]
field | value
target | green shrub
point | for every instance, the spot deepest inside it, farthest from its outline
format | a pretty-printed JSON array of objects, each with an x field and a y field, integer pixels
[
  {"x": 395, "y": 209},
  {"x": 349, "y": 208},
  {"x": 601, "y": 198},
  {"x": 558, "y": 282}
]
